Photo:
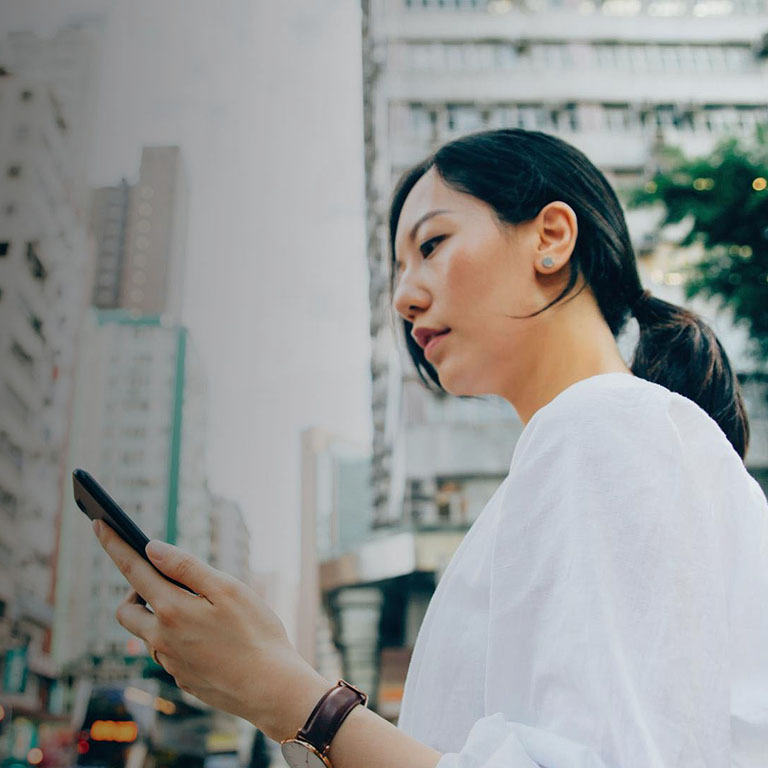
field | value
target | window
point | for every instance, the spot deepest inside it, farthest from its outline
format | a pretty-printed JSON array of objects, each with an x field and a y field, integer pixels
[
  {"x": 463, "y": 118},
  {"x": 11, "y": 399},
  {"x": 451, "y": 504},
  {"x": 5, "y": 246},
  {"x": 36, "y": 267},
  {"x": 11, "y": 451},
  {"x": 617, "y": 117},
  {"x": 9, "y": 502},
  {"x": 22, "y": 356}
]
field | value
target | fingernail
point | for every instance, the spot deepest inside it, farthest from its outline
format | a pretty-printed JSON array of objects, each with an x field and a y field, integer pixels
[
  {"x": 97, "y": 527},
  {"x": 157, "y": 549}
]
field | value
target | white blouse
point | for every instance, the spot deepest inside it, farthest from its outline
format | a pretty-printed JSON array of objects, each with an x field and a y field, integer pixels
[{"x": 609, "y": 606}]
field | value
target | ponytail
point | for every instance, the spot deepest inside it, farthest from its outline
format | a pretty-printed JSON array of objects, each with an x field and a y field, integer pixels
[{"x": 678, "y": 350}]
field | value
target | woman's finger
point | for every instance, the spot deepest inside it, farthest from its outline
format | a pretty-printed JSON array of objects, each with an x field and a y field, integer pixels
[
  {"x": 136, "y": 617},
  {"x": 154, "y": 654},
  {"x": 185, "y": 568},
  {"x": 139, "y": 573}
]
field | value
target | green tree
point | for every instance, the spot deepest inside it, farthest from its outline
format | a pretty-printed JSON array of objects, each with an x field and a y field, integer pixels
[{"x": 725, "y": 194}]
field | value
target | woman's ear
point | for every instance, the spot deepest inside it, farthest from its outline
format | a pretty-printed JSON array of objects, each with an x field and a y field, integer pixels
[{"x": 556, "y": 229}]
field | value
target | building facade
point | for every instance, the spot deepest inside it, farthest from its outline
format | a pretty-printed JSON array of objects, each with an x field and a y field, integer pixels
[
  {"x": 109, "y": 223},
  {"x": 617, "y": 79},
  {"x": 139, "y": 427},
  {"x": 230, "y": 539},
  {"x": 68, "y": 62},
  {"x": 45, "y": 257},
  {"x": 335, "y": 499},
  {"x": 141, "y": 236},
  {"x": 682, "y": 73}
]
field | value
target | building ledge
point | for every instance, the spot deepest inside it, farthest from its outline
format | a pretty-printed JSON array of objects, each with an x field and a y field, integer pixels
[{"x": 388, "y": 556}]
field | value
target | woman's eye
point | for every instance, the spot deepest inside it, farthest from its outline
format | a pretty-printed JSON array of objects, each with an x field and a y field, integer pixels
[{"x": 429, "y": 245}]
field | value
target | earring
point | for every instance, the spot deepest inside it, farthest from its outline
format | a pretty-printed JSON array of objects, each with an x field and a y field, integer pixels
[{"x": 547, "y": 261}]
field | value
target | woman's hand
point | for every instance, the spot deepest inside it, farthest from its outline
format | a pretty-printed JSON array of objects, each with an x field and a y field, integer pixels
[{"x": 223, "y": 645}]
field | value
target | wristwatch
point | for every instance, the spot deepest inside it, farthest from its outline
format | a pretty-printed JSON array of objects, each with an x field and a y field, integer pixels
[{"x": 309, "y": 747}]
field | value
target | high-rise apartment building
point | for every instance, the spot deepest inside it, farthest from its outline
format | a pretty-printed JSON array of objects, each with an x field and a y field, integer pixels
[
  {"x": 141, "y": 235},
  {"x": 139, "y": 427},
  {"x": 44, "y": 274},
  {"x": 109, "y": 224},
  {"x": 139, "y": 415},
  {"x": 153, "y": 268},
  {"x": 67, "y": 62},
  {"x": 335, "y": 499},
  {"x": 617, "y": 79},
  {"x": 230, "y": 540},
  {"x": 614, "y": 78},
  {"x": 46, "y": 92}
]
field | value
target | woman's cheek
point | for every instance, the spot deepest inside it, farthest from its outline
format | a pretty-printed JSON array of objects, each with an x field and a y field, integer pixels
[{"x": 464, "y": 274}]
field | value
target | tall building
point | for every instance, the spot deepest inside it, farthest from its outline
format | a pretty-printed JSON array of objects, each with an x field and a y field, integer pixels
[
  {"x": 139, "y": 427},
  {"x": 68, "y": 63},
  {"x": 46, "y": 99},
  {"x": 139, "y": 416},
  {"x": 230, "y": 539},
  {"x": 141, "y": 235},
  {"x": 335, "y": 503},
  {"x": 109, "y": 223},
  {"x": 617, "y": 79},
  {"x": 684, "y": 72},
  {"x": 45, "y": 257}
]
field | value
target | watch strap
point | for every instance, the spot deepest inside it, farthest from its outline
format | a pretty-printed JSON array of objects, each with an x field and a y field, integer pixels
[{"x": 329, "y": 713}]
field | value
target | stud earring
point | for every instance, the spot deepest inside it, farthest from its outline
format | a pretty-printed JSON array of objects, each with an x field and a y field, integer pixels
[{"x": 547, "y": 261}]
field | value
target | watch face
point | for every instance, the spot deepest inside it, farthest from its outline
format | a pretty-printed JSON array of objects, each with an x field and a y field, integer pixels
[{"x": 301, "y": 755}]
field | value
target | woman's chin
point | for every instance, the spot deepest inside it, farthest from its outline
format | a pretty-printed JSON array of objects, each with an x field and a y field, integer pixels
[{"x": 461, "y": 386}]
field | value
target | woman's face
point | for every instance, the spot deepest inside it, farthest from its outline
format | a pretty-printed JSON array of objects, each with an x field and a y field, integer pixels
[{"x": 459, "y": 268}]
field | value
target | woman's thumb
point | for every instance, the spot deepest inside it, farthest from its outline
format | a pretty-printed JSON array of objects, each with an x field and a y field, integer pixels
[{"x": 180, "y": 566}]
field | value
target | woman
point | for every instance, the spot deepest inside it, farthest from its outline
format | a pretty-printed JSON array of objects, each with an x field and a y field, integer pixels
[{"x": 609, "y": 606}]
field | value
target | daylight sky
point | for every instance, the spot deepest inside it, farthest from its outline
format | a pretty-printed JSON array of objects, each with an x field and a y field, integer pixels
[{"x": 265, "y": 100}]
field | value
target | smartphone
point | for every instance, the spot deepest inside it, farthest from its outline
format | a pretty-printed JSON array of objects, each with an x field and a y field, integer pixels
[{"x": 99, "y": 505}]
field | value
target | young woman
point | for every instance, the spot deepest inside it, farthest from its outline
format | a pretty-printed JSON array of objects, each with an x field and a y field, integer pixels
[{"x": 609, "y": 606}]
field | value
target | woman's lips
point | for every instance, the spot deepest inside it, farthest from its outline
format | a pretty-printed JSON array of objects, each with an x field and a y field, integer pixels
[{"x": 433, "y": 342}]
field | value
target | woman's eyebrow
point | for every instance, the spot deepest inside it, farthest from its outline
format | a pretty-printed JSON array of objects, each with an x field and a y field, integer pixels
[
  {"x": 429, "y": 215},
  {"x": 415, "y": 228}
]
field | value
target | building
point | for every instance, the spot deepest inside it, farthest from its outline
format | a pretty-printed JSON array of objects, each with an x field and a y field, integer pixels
[
  {"x": 615, "y": 78},
  {"x": 335, "y": 519},
  {"x": 45, "y": 256},
  {"x": 682, "y": 72},
  {"x": 139, "y": 427},
  {"x": 68, "y": 63},
  {"x": 230, "y": 539},
  {"x": 109, "y": 223},
  {"x": 141, "y": 235}
]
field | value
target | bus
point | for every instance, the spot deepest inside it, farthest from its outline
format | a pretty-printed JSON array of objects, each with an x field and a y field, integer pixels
[{"x": 142, "y": 723}]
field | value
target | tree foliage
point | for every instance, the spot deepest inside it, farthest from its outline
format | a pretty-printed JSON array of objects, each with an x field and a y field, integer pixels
[{"x": 725, "y": 195}]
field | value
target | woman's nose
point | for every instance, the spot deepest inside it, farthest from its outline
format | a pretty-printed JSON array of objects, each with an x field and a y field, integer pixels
[{"x": 410, "y": 299}]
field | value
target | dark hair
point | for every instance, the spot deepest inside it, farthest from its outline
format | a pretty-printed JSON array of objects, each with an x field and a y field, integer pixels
[{"x": 517, "y": 172}]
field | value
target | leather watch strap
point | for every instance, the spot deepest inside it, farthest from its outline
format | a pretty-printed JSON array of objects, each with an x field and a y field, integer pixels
[{"x": 329, "y": 713}]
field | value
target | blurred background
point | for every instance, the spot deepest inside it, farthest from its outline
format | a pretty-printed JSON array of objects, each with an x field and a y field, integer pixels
[{"x": 194, "y": 307}]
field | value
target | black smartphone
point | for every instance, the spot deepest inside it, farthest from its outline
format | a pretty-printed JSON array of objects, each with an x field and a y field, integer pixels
[{"x": 99, "y": 505}]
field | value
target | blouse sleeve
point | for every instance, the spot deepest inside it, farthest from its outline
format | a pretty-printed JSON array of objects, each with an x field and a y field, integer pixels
[{"x": 608, "y": 639}]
